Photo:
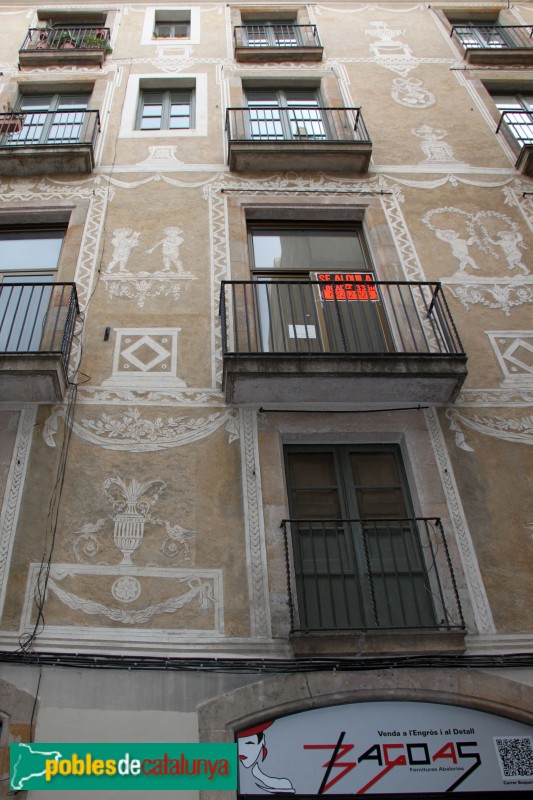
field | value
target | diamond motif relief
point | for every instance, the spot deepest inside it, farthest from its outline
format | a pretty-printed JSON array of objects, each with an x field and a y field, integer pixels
[{"x": 140, "y": 351}]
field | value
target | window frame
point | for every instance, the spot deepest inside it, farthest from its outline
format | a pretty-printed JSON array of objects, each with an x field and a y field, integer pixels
[
  {"x": 356, "y": 547},
  {"x": 153, "y": 14},
  {"x": 166, "y": 107},
  {"x": 197, "y": 82}
]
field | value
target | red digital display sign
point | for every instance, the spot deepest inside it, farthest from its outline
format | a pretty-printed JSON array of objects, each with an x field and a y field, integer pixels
[{"x": 359, "y": 286}]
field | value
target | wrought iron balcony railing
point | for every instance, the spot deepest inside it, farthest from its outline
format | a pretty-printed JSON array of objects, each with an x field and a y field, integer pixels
[
  {"x": 69, "y": 126},
  {"x": 336, "y": 314},
  {"x": 361, "y": 575},
  {"x": 298, "y": 125},
  {"x": 37, "y": 318},
  {"x": 494, "y": 37},
  {"x": 82, "y": 37},
  {"x": 519, "y": 124},
  {"x": 282, "y": 35}
]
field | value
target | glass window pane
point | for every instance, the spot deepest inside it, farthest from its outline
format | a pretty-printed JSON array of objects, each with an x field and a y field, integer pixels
[
  {"x": 33, "y": 250},
  {"x": 313, "y": 251}
]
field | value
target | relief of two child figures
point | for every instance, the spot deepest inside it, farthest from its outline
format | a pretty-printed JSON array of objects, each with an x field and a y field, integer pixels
[{"x": 125, "y": 239}]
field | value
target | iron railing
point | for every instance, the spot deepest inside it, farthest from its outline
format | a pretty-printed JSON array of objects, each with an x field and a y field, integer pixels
[
  {"x": 281, "y": 35},
  {"x": 380, "y": 574},
  {"x": 519, "y": 124},
  {"x": 336, "y": 314},
  {"x": 298, "y": 124},
  {"x": 37, "y": 318},
  {"x": 493, "y": 37},
  {"x": 68, "y": 126},
  {"x": 83, "y": 37}
]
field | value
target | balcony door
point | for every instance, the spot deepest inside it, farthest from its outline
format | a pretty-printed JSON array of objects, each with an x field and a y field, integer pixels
[
  {"x": 316, "y": 292},
  {"x": 51, "y": 119},
  {"x": 357, "y": 558},
  {"x": 270, "y": 34},
  {"x": 28, "y": 262},
  {"x": 285, "y": 115},
  {"x": 517, "y": 111}
]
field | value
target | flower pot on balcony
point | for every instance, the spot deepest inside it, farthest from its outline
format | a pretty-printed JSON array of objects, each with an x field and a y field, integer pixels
[
  {"x": 10, "y": 123},
  {"x": 67, "y": 44}
]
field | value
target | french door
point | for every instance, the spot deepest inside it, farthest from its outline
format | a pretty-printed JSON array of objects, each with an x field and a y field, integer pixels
[
  {"x": 285, "y": 115},
  {"x": 51, "y": 119},
  {"x": 358, "y": 563}
]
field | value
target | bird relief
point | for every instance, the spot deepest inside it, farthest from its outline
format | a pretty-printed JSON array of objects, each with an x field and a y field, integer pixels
[
  {"x": 110, "y": 579},
  {"x": 132, "y": 501},
  {"x": 123, "y": 280}
]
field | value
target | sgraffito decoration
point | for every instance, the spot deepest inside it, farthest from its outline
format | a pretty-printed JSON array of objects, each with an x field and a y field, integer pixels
[
  {"x": 130, "y": 430},
  {"x": 132, "y": 566},
  {"x": 140, "y": 284},
  {"x": 411, "y": 93},
  {"x": 433, "y": 146}
]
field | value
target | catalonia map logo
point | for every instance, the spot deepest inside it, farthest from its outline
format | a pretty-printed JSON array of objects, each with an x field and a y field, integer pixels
[{"x": 161, "y": 766}]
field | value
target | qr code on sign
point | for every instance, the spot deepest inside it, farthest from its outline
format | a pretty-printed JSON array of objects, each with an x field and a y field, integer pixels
[{"x": 516, "y": 756}]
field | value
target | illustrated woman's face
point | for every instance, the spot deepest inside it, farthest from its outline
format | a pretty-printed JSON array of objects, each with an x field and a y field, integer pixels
[{"x": 249, "y": 750}]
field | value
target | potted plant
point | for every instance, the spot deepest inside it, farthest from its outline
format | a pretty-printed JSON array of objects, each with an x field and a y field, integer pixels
[{"x": 10, "y": 122}]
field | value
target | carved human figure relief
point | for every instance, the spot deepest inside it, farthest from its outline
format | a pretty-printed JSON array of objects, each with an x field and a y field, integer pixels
[
  {"x": 509, "y": 243},
  {"x": 123, "y": 241},
  {"x": 170, "y": 251},
  {"x": 432, "y": 145},
  {"x": 411, "y": 93},
  {"x": 490, "y": 232}
]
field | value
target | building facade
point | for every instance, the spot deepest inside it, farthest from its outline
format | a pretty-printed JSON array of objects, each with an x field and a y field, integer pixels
[{"x": 266, "y": 384}]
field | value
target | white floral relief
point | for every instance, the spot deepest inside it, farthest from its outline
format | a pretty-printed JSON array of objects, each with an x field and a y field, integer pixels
[
  {"x": 132, "y": 431},
  {"x": 411, "y": 93},
  {"x": 200, "y": 596},
  {"x": 511, "y": 429}
]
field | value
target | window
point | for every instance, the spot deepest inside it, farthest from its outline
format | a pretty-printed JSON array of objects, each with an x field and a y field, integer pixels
[
  {"x": 29, "y": 257},
  {"x": 285, "y": 114},
  {"x": 165, "y": 106},
  {"x": 50, "y": 119},
  {"x": 164, "y": 25},
  {"x": 264, "y": 33},
  {"x": 168, "y": 29},
  {"x": 171, "y": 109},
  {"x": 316, "y": 290},
  {"x": 357, "y": 556},
  {"x": 517, "y": 115}
]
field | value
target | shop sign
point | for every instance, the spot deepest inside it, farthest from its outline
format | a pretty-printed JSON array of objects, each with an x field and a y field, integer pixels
[{"x": 386, "y": 747}]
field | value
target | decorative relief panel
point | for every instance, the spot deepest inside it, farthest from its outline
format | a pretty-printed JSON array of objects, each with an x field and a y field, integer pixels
[
  {"x": 140, "y": 285},
  {"x": 132, "y": 501},
  {"x": 127, "y": 596},
  {"x": 514, "y": 351},
  {"x": 410, "y": 92},
  {"x": 433, "y": 146},
  {"x": 139, "y": 432},
  {"x": 145, "y": 357},
  {"x": 388, "y": 51}
]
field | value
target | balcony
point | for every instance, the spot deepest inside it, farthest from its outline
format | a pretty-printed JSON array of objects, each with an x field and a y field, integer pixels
[
  {"x": 36, "y": 329},
  {"x": 350, "y": 579},
  {"x": 495, "y": 44},
  {"x": 83, "y": 45},
  {"x": 48, "y": 142},
  {"x": 281, "y": 42},
  {"x": 269, "y": 137},
  {"x": 341, "y": 338},
  {"x": 517, "y": 128}
]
